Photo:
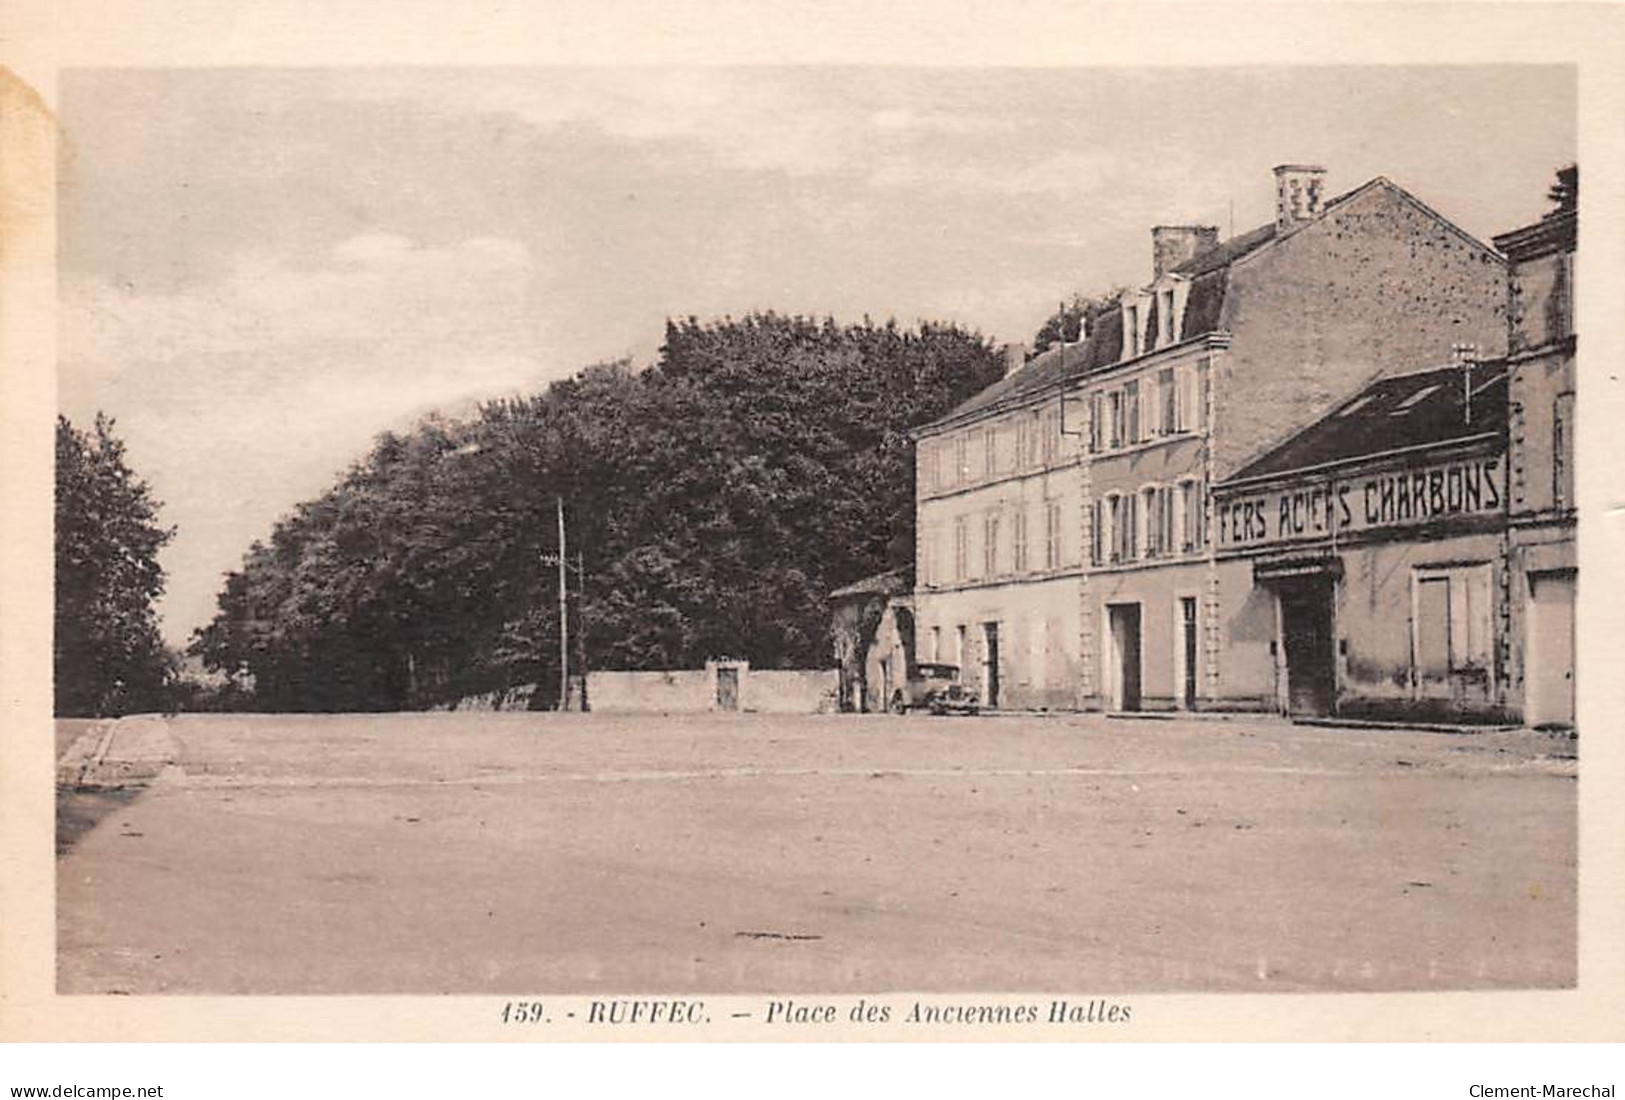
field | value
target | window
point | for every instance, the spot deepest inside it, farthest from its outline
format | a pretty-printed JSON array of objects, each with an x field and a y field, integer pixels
[
  {"x": 1131, "y": 412},
  {"x": 1159, "y": 521},
  {"x": 934, "y": 646},
  {"x": 928, "y": 571},
  {"x": 1052, "y": 435},
  {"x": 1199, "y": 414},
  {"x": 1131, "y": 330},
  {"x": 1192, "y": 509},
  {"x": 1185, "y": 399},
  {"x": 1560, "y": 313},
  {"x": 1410, "y": 402},
  {"x": 1097, "y": 422},
  {"x": 990, "y": 545},
  {"x": 1123, "y": 526},
  {"x": 960, "y": 562},
  {"x": 1452, "y": 627},
  {"x": 961, "y": 460},
  {"x": 990, "y": 451},
  {"x": 1018, "y": 534},
  {"x": 1359, "y": 403},
  {"x": 1562, "y": 451},
  {"x": 1165, "y": 317},
  {"x": 1024, "y": 433},
  {"x": 1118, "y": 423},
  {"x": 1097, "y": 531},
  {"x": 1168, "y": 401},
  {"x": 1052, "y": 536}
]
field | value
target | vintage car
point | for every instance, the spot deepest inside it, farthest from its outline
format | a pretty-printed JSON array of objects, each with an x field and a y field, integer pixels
[{"x": 935, "y": 687}]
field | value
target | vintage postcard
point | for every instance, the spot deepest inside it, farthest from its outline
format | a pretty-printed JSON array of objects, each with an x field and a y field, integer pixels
[{"x": 577, "y": 535}]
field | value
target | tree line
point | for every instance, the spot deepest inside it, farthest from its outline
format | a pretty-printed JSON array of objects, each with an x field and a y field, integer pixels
[
  {"x": 715, "y": 498},
  {"x": 107, "y": 654}
]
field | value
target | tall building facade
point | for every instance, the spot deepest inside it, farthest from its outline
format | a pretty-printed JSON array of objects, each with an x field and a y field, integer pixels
[
  {"x": 1105, "y": 450},
  {"x": 1543, "y": 517}
]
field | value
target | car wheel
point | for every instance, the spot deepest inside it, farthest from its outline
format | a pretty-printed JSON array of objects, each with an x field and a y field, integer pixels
[{"x": 899, "y": 705}]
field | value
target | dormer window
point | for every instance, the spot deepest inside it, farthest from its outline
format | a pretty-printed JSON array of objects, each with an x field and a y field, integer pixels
[
  {"x": 1167, "y": 319},
  {"x": 1410, "y": 402},
  {"x": 1132, "y": 344}
]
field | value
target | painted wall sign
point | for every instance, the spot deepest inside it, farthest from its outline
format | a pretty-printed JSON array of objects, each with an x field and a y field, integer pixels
[{"x": 1319, "y": 507}]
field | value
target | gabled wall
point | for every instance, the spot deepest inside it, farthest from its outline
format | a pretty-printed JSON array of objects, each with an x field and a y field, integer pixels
[{"x": 1379, "y": 284}]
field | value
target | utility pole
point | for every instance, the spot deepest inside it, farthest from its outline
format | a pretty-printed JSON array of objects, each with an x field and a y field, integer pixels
[
  {"x": 564, "y": 616},
  {"x": 581, "y": 631}
]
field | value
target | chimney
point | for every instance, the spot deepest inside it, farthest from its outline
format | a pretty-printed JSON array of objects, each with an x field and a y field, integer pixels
[
  {"x": 1015, "y": 355},
  {"x": 1172, "y": 245},
  {"x": 1298, "y": 194}
]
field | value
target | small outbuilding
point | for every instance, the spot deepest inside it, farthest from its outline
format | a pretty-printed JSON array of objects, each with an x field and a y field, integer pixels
[{"x": 872, "y": 627}]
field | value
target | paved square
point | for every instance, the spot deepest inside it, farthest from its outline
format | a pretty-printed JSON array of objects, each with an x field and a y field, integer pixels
[{"x": 517, "y": 853}]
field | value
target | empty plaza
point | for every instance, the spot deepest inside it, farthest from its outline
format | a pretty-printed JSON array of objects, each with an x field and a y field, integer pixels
[{"x": 547, "y": 853}]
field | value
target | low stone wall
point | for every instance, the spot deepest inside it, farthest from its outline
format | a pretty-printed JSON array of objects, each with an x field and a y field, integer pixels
[
  {"x": 689, "y": 691},
  {"x": 789, "y": 691},
  {"x": 684, "y": 690}
]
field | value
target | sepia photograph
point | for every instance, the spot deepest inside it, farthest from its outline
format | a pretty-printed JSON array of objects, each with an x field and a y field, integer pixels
[{"x": 776, "y": 530}]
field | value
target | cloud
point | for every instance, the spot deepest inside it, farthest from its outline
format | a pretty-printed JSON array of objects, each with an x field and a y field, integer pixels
[
  {"x": 1075, "y": 172},
  {"x": 369, "y": 289},
  {"x": 240, "y": 396},
  {"x": 813, "y": 124}
]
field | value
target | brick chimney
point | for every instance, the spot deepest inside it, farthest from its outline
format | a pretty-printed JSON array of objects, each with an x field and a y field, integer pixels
[
  {"x": 1299, "y": 193},
  {"x": 1172, "y": 245}
]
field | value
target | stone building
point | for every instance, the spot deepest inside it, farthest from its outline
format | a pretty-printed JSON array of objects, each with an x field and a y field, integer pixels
[
  {"x": 1373, "y": 542},
  {"x": 1065, "y": 552},
  {"x": 872, "y": 628},
  {"x": 1543, "y": 516}
]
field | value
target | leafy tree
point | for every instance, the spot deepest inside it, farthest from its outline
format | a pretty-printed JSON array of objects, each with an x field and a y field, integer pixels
[
  {"x": 109, "y": 658},
  {"x": 715, "y": 499},
  {"x": 1565, "y": 192}
]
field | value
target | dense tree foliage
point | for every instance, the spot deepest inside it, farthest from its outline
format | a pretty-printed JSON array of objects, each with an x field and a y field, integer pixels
[
  {"x": 1072, "y": 318},
  {"x": 108, "y": 655},
  {"x": 1565, "y": 192},
  {"x": 715, "y": 498}
]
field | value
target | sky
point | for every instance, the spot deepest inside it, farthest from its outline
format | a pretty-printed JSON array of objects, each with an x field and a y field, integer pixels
[{"x": 262, "y": 269}]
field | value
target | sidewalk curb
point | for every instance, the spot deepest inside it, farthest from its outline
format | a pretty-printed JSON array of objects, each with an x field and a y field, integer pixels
[{"x": 1460, "y": 729}]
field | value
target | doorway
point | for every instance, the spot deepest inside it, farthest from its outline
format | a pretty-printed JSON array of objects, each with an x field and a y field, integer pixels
[
  {"x": 990, "y": 664},
  {"x": 727, "y": 689},
  {"x": 1187, "y": 652},
  {"x": 1549, "y": 650},
  {"x": 1124, "y": 653},
  {"x": 1307, "y": 637}
]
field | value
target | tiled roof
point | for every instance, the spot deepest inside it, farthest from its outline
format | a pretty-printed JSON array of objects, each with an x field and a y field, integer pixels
[
  {"x": 1209, "y": 275},
  {"x": 1399, "y": 411},
  {"x": 890, "y": 583},
  {"x": 1227, "y": 252},
  {"x": 1048, "y": 370}
]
